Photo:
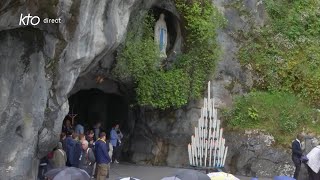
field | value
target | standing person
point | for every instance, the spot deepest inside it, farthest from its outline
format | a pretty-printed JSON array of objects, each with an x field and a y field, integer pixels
[
  {"x": 77, "y": 150},
  {"x": 79, "y": 129},
  {"x": 67, "y": 127},
  {"x": 73, "y": 149},
  {"x": 69, "y": 148},
  {"x": 63, "y": 137},
  {"x": 90, "y": 138},
  {"x": 297, "y": 154},
  {"x": 115, "y": 139},
  {"x": 102, "y": 157},
  {"x": 87, "y": 158},
  {"x": 314, "y": 163},
  {"x": 97, "y": 130},
  {"x": 59, "y": 158}
]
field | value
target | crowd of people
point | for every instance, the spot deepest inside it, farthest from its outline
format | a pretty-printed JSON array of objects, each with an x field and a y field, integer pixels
[{"x": 92, "y": 150}]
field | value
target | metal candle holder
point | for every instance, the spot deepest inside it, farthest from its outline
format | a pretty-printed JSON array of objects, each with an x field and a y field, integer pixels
[{"x": 207, "y": 148}]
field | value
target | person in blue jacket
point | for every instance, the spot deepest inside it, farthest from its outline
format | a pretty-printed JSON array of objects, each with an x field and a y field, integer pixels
[
  {"x": 73, "y": 150},
  {"x": 115, "y": 139},
  {"x": 102, "y": 157}
]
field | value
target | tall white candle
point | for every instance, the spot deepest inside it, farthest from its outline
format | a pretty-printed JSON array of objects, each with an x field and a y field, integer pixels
[
  {"x": 216, "y": 114},
  {"x": 206, "y": 153},
  {"x": 220, "y": 140},
  {"x": 210, "y": 108},
  {"x": 196, "y": 158},
  {"x": 210, "y": 131},
  {"x": 223, "y": 151},
  {"x": 218, "y": 128},
  {"x": 224, "y": 157},
  {"x": 213, "y": 109},
  {"x": 214, "y": 155},
  {"x": 189, "y": 152},
  {"x": 205, "y": 111},
  {"x": 210, "y": 153},
  {"x": 209, "y": 89}
]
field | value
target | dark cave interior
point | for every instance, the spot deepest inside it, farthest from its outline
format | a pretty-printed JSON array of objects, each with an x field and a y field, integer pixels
[{"x": 94, "y": 105}]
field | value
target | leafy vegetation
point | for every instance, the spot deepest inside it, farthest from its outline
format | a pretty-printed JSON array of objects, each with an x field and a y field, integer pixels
[
  {"x": 279, "y": 113},
  {"x": 285, "y": 53},
  {"x": 285, "y": 56},
  {"x": 163, "y": 87}
]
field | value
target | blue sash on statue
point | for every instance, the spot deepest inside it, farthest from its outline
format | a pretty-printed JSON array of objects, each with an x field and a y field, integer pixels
[{"x": 161, "y": 38}]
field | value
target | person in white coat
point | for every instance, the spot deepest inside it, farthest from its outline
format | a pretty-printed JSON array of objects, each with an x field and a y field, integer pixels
[{"x": 314, "y": 163}]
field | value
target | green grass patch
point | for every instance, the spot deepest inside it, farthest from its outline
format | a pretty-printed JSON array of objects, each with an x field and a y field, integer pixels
[
  {"x": 281, "y": 114},
  {"x": 285, "y": 53}
]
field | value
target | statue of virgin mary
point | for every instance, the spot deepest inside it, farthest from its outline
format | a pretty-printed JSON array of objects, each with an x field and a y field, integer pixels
[{"x": 161, "y": 35}]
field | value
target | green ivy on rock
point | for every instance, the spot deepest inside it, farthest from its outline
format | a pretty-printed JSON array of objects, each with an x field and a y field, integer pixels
[
  {"x": 161, "y": 87},
  {"x": 285, "y": 53}
]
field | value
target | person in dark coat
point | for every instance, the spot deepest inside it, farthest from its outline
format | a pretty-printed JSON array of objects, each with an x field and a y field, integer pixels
[
  {"x": 297, "y": 154},
  {"x": 87, "y": 159},
  {"x": 97, "y": 130},
  {"x": 102, "y": 157},
  {"x": 90, "y": 138},
  {"x": 67, "y": 127},
  {"x": 73, "y": 149},
  {"x": 76, "y": 150}
]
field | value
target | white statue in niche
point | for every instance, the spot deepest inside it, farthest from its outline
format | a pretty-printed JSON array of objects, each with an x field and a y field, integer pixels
[{"x": 161, "y": 35}]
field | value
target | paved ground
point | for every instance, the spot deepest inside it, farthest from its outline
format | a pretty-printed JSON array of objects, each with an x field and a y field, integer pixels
[{"x": 147, "y": 172}]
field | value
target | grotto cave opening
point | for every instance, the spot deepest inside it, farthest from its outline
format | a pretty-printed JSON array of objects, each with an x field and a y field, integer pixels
[{"x": 94, "y": 105}]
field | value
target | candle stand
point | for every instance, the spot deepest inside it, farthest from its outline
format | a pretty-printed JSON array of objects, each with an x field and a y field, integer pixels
[{"x": 207, "y": 150}]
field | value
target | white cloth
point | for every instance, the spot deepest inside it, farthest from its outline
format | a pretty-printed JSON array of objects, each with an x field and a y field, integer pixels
[{"x": 314, "y": 159}]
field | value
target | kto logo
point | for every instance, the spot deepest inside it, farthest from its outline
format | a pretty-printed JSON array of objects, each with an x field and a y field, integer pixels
[{"x": 25, "y": 20}]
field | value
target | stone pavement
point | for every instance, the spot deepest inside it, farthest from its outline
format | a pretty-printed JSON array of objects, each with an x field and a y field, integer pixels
[{"x": 148, "y": 172}]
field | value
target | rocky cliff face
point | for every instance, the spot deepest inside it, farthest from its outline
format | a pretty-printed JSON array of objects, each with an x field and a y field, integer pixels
[
  {"x": 164, "y": 135},
  {"x": 39, "y": 66}
]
